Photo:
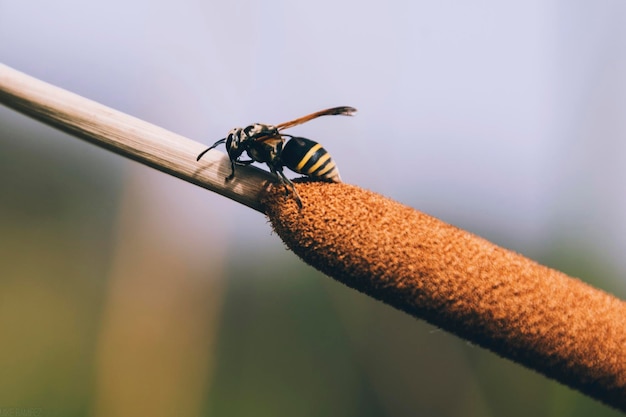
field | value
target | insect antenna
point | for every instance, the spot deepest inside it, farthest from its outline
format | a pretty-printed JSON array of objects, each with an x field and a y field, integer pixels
[{"x": 219, "y": 142}]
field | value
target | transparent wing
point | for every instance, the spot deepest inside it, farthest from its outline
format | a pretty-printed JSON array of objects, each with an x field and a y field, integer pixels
[{"x": 344, "y": 111}]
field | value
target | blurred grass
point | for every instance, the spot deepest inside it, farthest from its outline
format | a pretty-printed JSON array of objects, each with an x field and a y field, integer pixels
[
  {"x": 55, "y": 221},
  {"x": 155, "y": 345},
  {"x": 304, "y": 345}
]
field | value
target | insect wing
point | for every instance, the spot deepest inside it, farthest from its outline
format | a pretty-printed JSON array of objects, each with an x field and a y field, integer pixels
[{"x": 343, "y": 110}]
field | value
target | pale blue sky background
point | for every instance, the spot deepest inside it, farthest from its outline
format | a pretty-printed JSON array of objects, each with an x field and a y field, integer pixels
[{"x": 505, "y": 118}]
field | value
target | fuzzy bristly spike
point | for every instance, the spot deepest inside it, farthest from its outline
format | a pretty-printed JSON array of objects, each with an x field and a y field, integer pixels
[{"x": 494, "y": 297}]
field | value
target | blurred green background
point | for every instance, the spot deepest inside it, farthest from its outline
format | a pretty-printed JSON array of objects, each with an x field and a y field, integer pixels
[{"x": 126, "y": 292}]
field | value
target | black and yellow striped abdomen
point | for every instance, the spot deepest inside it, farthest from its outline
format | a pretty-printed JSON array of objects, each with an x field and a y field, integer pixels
[{"x": 308, "y": 157}]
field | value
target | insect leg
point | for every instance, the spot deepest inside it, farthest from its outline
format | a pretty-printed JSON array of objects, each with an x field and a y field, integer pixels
[
  {"x": 278, "y": 171},
  {"x": 232, "y": 167},
  {"x": 232, "y": 171}
]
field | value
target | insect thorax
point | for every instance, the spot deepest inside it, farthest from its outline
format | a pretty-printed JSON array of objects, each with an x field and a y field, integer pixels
[{"x": 259, "y": 130}]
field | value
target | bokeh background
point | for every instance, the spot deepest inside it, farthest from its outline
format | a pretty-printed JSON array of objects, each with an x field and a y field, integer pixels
[{"x": 126, "y": 292}]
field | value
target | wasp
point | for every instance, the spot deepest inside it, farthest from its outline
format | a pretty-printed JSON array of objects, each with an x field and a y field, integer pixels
[{"x": 266, "y": 144}]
